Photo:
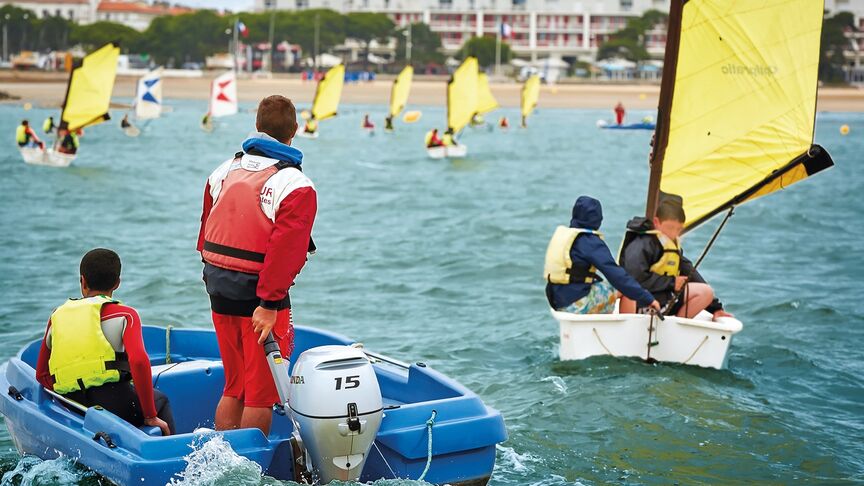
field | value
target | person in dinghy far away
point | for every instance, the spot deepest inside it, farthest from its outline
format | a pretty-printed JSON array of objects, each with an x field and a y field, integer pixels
[
  {"x": 256, "y": 228},
  {"x": 574, "y": 256},
  {"x": 652, "y": 254}
]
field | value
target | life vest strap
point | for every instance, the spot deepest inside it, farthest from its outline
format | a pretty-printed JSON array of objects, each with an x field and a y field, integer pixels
[{"x": 229, "y": 251}]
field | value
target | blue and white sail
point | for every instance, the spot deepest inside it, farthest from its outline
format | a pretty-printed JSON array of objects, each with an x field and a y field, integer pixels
[{"x": 148, "y": 98}]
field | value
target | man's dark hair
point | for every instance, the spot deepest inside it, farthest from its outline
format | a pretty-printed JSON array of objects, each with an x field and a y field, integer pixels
[
  {"x": 100, "y": 267},
  {"x": 25, "y": 122},
  {"x": 671, "y": 209},
  {"x": 277, "y": 117}
]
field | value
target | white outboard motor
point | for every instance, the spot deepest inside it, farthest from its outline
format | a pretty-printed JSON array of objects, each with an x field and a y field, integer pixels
[{"x": 336, "y": 406}]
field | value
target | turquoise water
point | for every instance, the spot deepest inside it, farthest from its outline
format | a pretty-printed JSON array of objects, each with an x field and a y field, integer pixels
[{"x": 440, "y": 261}]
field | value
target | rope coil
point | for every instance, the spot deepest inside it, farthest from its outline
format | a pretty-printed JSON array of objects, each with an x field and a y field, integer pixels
[{"x": 429, "y": 424}]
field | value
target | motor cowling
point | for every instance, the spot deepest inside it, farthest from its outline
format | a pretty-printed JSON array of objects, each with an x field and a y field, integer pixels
[{"x": 336, "y": 405}]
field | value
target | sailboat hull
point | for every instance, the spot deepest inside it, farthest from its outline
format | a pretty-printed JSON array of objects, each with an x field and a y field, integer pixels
[
  {"x": 47, "y": 157},
  {"x": 700, "y": 341},
  {"x": 448, "y": 152}
]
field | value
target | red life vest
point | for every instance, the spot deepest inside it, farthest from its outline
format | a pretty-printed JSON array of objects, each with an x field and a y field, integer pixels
[{"x": 237, "y": 230}]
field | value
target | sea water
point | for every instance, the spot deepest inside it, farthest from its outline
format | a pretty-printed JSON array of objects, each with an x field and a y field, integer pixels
[{"x": 441, "y": 262}]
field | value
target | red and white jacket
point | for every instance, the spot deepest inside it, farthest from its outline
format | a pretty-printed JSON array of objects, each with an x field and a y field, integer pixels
[{"x": 257, "y": 219}]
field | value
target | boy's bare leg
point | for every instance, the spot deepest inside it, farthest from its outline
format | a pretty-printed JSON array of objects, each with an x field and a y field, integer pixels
[
  {"x": 257, "y": 418},
  {"x": 697, "y": 297},
  {"x": 228, "y": 413},
  {"x": 626, "y": 306}
]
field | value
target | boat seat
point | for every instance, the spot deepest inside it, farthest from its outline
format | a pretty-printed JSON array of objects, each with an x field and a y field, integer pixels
[{"x": 151, "y": 431}]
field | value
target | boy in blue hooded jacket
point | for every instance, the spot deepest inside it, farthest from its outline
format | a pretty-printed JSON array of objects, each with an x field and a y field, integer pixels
[{"x": 573, "y": 258}]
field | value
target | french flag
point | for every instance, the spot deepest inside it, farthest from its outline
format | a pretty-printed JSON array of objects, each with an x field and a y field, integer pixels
[
  {"x": 506, "y": 30},
  {"x": 241, "y": 27}
]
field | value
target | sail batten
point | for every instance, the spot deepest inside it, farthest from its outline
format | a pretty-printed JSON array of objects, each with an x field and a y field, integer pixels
[
  {"x": 400, "y": 90},
  {"x": 328, "y": 93},
  {"x": 88, "y": 95},
  {"x": 737, "y": 104}
]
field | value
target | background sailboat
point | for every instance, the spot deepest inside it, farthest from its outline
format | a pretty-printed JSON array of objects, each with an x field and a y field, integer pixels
[
  {"x": 326, "y": 102},
  {"x": 148, "y": 100},
  {"x": 462, "y": 104},
  {"x": 529, "y": 96},
  {"x": 486, "y": 101},
  {"x": 399, "y": 98},
  {"x": 735, "y": 122},
  {"x": 88, "y": 97},
  {"x": 223, "y": 99}
]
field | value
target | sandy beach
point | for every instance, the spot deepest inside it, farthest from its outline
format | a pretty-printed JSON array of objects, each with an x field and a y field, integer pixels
[{"x": 47, "y": 89}]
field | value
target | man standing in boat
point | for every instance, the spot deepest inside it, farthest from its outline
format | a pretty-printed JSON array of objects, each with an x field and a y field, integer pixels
[
  {"x": 256, "y": 230},
  {"x": 619, "y": 113},
  {"x": 573, "y": 258}
]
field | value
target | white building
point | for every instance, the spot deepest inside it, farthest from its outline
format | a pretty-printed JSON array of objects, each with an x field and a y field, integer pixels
[
  {"x": 82, "y": 11},
  {"x": 541, "y": 28},
  {"x": 133, "y": 13}
]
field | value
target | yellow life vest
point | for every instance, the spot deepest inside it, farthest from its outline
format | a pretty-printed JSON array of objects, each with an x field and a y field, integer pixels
[
  {"x": 447, "y": 139},
  {"x": 21, "y": 135},
  {"x": 428, "y": 138},
  {"x": 558, "y": 268},
  {"x": 670, "y": 263},
  {"x": 311, "y": 126},
  {"x": 81, "y": 355},
  {"x": 48, "y": 125}
]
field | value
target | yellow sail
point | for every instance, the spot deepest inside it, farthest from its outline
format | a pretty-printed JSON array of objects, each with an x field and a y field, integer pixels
[
  {"x": 737, "y": 107},
  {"x": 462, "y": 95},
  {"x": 486, "y": 102},
  {"x": 328, "y": 93},
  {"x": 90, "y": 87},
  {"x": 530, "y": 94},
  {"x": 400, "y": 90}
]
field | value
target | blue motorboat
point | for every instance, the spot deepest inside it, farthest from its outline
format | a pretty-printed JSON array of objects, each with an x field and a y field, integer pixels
[
  {"x": 627, "y": 126},
  {"x": 187, "y": 367}
]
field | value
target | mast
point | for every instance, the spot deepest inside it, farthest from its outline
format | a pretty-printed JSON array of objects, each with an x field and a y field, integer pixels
[{"x": 664, "y": 108}]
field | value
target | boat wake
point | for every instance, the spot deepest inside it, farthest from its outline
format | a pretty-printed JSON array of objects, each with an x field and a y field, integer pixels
[
  {"x": 32, "y": 471},
  {"x": 213, "y": 461}
]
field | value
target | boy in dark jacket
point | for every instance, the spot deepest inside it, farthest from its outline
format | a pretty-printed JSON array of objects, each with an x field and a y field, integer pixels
[
  {"x": 574, "y": 256},
  {"x": 652, "y": 255}
]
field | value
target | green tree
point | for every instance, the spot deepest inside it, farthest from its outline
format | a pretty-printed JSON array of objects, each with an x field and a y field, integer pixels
[
  {"x": 96, "y": 35},
  {"x": 21, "y": 28},
  {"x": 366, "y": 27},
  {"x": 834, "y": 42},
  {"x": 483, "y": 48},
  {"x": 629, "y": 42},
  {"x": 425, "y": 45},
  {"x": 187, "y": 37}
]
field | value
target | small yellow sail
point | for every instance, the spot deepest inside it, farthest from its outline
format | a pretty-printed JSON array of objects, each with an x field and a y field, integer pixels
[
  {"x": 399, "y": 91},
  {"x": 328, "y": 93},
  {"x": 486, "y": 102},
  {"x": 737, "y": 110},
  {"x": 462, "y": 95},
  {"x": 530, "y": 94},
  {"x": 90, "y": 85}
]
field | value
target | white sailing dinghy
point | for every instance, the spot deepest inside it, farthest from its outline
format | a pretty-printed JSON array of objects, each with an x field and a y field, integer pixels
[
  {"x": 399, "y": 96},
  {"x": 462, "y": 102},
  {"x": 529, "y": 96},
  {"x": 223, "y": 99},
  {"x": 148, "y": 100},
  {"x": 735, "y": 122},
  {"x": 326, "y": 102},
  {"x": 88, "y": 97}
]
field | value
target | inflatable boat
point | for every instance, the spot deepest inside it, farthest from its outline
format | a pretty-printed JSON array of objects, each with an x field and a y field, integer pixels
[
  {"x": 49, "y": 157},
  {"x": 420, "y": 424}
]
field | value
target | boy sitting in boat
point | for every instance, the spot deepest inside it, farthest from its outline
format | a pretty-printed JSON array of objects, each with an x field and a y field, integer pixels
[
  {"x": 574, "y": 256},
  {"x": 93, "y": 350},
  {"x": 26, "y": 137},
  {"x": 432, "y": 139},
  {"x": 652, "y": 254}
]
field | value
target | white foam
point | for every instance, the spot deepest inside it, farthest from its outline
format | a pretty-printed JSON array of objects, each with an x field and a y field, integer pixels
[{"x": 213, "y": 461}]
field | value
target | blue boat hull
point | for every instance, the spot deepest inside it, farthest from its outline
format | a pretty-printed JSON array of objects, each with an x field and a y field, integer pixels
[
  {"x": 464, "y": 435},
  {"x": 629, "y": 126}
]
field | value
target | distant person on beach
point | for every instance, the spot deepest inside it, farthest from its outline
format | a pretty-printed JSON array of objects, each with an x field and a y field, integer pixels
[
  {"x": 432, "y": 139},
  {"x": 26, "y": 137},
  {"x": 256, "y": 228},
  {"x": 93, "y": 350},
  {"x": 619, "y": 113},
  {"x": 574, "y": 256},
  {"x": 67, "y": 141},
  {"x": 652, "y": 254},
  {"x": 367, "y": 123},
  {"x": 48, "y": 125}
]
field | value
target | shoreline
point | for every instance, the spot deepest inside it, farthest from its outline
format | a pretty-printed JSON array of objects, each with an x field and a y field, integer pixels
[{"x": 47, "y": 90}]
